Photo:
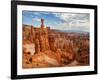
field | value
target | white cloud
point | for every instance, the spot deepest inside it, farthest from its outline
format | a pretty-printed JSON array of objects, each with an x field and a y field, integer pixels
[
  {"x": 74, "y": 21},
  {"x": 36, "y": 13},
  {"x": 36, "y": 19}
]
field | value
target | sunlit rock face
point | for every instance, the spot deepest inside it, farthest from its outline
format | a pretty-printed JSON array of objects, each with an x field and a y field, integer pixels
[
  {"x": 45, "y": 47},
  {"x": 29, "y": 48}
]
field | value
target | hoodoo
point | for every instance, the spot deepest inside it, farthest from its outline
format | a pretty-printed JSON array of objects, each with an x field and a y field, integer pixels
[
  {"x": 47, "y": 47},
  {"x": 42, "y": 23}
]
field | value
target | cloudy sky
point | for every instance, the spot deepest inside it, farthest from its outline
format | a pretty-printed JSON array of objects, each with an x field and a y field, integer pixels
[{"x": 61, "y": 21}]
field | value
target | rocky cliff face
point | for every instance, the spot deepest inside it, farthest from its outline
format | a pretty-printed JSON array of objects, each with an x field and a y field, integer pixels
[{"x": 54, "y": 48}]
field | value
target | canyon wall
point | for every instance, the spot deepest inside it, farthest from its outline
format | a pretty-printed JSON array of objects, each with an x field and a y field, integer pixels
[{"x": 65, "y": 47}]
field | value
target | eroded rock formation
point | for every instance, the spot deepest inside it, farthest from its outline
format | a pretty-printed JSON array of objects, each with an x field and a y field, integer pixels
[{"x": 53, "y": 47}]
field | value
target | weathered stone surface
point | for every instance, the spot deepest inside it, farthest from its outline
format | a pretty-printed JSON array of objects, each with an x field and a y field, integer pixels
[
  {"x": 37, "y": 46},
  {"x": 54, "y": 48}
]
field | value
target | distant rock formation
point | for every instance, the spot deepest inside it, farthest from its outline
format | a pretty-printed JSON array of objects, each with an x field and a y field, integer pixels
[{"x": 60, "y": 47}]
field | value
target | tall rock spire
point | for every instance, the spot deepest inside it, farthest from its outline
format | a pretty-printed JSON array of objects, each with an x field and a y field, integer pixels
[{"x": 42, "y": 23}]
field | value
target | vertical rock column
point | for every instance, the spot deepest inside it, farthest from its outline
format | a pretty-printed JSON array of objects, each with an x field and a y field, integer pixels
[
  {"x": 46, "y": 40},
  {"x": 42, "y": 44},
  {"x": 37, "y": 46},
  {"x": 32, "y": 35},
  {"x": 42, "y": 23}
]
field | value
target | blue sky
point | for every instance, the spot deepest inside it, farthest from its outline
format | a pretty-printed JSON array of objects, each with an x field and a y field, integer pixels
[{"x": 55, "y": 20}]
